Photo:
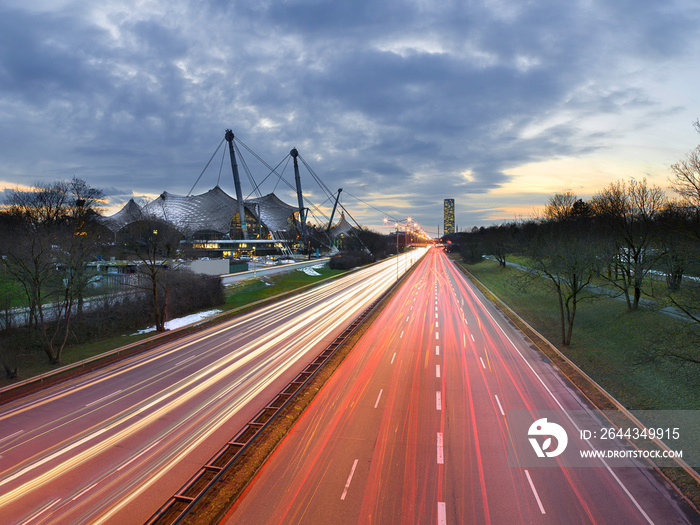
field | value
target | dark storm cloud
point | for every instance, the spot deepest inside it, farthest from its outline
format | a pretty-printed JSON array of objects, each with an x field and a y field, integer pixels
[{"x": 432, "y": 99}]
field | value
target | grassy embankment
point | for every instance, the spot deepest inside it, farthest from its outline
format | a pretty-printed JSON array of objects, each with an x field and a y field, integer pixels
[
  {"x": 607, "y": 344},
  {"x": 238, "y": 295},
  {"x": 608, "y": 340}
]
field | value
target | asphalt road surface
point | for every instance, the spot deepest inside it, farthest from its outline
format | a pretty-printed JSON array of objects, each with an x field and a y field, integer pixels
[
  {"x": 112, "y": 446},
  {"x": 415, "y": 428}
]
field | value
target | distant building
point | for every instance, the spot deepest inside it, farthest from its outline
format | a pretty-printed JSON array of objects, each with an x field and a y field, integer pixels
[
  {"x": 211, "y": 224},
  {"x": 449, "y": 221}
]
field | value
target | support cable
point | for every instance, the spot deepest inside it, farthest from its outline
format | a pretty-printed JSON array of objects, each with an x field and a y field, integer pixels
[
  {"x": 388, "y": 215},
  {"x": 205, "y": 167},
  {"x": 221, "y": 167}
]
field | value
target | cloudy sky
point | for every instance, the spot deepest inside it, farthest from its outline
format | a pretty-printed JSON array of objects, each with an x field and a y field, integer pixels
[{"x": 495, "y": 103}]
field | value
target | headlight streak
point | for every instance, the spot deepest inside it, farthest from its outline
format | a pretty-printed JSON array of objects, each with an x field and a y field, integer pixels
[
  {"x": 364, "y": 286},
  {"x": 171, "y": 350}
]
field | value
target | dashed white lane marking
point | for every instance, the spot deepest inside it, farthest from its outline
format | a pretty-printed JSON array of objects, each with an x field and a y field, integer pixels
[
  {"x": 44, "y": 510},
  {"x": 185, "y": 360},
  {"x": 442, "y": 513},
  {"x": 607, "y": 467},
  {"x": 137, "y": 456},
  {"x": 482, "y": 362},
  {"x": 437, "y": 370},
  {"x": 437, "y": 350},
  {"x": 11, "y": 436},
  {"x": 401, "y": 336},
  {"x": 438, "y": 400},
  {"x": 534, "y": 491},
  {"x": 347, "y": 484},
  {"x": 84, "y": 491},
  {"x": 378, "y": 398},
  {"x": 499, "y": 405},
  {"x": 392, "y": 358},
  {"x": 440, "y": 452},
  {"x": 103, "y": 398},
  {"x": 472, "y": 336},
  {"x": 437, "y": 335}
]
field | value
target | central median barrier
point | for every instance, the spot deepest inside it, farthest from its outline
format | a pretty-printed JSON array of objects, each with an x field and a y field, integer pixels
[{"x": 213, "y": 489}]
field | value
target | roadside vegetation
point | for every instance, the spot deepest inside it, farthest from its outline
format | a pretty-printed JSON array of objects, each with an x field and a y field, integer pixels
[
  {"x": 57, "y": 291},
  {"x": 612, "y": 343},
  {"x": 237, "y": 295},
  {"x": 630, "y": 240},
  {"x": 613, "y": 281},
  {"x": 251, "y": 290}
]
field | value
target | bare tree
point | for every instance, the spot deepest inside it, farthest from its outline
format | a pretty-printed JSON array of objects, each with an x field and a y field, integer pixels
[
  {"x": 47, "y": 251},
  {"x": 154, "y": 245},
  {"x": 686, "y": 175},
  {"x": 560, "y": 206},
  {"x": 626, "y": 212},
  {"x": 564, "y": 251}
]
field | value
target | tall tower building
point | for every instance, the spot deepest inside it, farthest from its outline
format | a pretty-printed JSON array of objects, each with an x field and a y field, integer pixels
[{"x": 449, "y": 218}]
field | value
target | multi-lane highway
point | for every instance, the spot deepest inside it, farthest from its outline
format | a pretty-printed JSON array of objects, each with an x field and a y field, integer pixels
[
  {"x": 112, "y": 446},
  {"x": 415, "y": 427}
]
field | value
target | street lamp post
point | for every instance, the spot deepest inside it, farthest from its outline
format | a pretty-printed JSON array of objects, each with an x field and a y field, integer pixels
[{"x": 396, "y": 224}]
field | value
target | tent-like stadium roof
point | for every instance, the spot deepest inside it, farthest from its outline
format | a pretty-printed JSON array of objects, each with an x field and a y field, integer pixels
[{"x": 210, "y": 211}]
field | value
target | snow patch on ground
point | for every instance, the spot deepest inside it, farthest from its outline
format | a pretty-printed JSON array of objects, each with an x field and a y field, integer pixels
[
  {"x": 182, "y": 321},
  {"x": 311, "y": 270}
]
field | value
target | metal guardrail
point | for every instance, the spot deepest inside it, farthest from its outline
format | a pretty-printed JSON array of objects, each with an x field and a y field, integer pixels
[{"x": 197, "y": 487}]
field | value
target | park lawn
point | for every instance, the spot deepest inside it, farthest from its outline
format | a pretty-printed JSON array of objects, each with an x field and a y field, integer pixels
[
  {"x": 254, "y": 289},
  {"x": 607, "y": 341},
  {"x": 654, "y": 286}
]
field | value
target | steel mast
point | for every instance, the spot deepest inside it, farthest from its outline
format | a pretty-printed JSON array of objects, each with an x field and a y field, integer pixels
[
  {"x": 237, "y": 183},
  {"x": 302, "y": 212}
]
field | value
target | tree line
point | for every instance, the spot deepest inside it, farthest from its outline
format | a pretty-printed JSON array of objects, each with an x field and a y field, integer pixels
[
  {"x": 50, "y": 293},
  {"x": 627, "y": 237}
]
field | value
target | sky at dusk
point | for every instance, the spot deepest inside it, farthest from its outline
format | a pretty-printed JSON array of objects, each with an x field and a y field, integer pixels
[{"x": 495, "y": 103}]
